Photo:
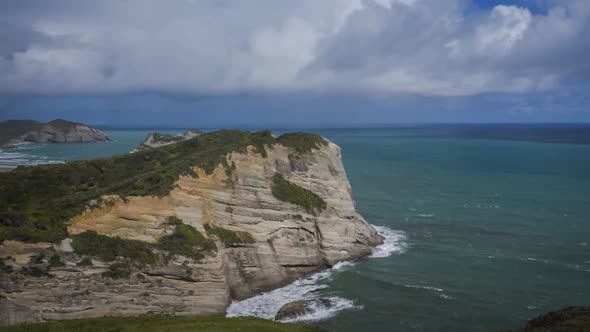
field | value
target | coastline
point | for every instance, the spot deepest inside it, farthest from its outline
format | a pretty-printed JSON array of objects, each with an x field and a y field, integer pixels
[
  {"x": 267, "y": 304},
  {"x": 6, "y": 168}
]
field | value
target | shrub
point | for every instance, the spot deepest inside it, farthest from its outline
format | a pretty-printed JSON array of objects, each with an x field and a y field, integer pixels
[
  {"x": 229, "y": 238},
  {"x": 286, "y": 191},
  {"x": 302, "y": 142},
  {"x": 186, "y": 241},
  {"x": 55, "y": 261},
  {"x": 5, "y": 268},
  {"x": 34, "y": 271},
  {"x": 84, "y": 262},
  {"x": 110, "y": 248},
  {"x": 118, "y": 271}
]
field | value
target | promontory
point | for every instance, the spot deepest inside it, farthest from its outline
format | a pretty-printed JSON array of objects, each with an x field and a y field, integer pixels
[
  {"x": 13, "y": 132},
  {"x": 181, "y": 229}
]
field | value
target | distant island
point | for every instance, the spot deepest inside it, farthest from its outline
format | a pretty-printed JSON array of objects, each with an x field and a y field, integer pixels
[{"x": 13, "y": 132}]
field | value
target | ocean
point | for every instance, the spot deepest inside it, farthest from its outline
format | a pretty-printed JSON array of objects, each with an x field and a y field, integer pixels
[{"x": 486, "y": 226}]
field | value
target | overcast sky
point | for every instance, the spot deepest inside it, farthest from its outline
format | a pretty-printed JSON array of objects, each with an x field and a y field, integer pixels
[{"x": 344, "y": 61}]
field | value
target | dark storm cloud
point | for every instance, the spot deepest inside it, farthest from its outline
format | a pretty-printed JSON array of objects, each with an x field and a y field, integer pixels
[{"x": 428, "y": 47}]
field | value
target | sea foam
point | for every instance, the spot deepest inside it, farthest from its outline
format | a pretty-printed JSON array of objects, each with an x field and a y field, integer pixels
[{"x": 266, "y": 305}]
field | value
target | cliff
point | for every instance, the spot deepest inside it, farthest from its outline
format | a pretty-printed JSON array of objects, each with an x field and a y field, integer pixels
[
  {"x": 57, "y": 131},
  {"x": 181, "y": 229},
  {"x": 156, "y": 140}
]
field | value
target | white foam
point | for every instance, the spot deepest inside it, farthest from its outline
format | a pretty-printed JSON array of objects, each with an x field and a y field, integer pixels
[
  {"x": 393, "y": 242},
  {"x": 426, "y": 215},
  {"x": 318, "y": 311},
  {"x": 440, "y": 290},
  {"x": 266, "y": 305}
]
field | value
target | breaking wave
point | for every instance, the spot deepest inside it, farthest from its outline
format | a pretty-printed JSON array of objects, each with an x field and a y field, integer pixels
[{"x": 266, "y": 305}]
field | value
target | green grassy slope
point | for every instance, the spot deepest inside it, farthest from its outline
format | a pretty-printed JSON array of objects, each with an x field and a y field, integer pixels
[{"x": 161, "y": 324}]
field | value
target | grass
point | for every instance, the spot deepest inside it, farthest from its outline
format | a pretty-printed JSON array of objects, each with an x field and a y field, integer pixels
[
  {"x": 229, "y": 238},
  {"x": 35, "y": 202},
  {"x": 286, "y": 191},
  {"x": 163, "y": 323}
]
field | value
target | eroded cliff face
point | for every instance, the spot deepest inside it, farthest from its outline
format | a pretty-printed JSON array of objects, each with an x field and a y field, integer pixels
[{"x": 286, "y": 241}]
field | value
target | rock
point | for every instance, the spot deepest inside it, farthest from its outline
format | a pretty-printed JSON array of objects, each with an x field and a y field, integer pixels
[
  {"x": 292, "y": 310},
  {"x": 299, "y": 308},
  {"x": 570, "y": 319}
]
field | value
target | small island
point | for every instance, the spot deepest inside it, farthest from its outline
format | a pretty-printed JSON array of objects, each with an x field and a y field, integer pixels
[
  {"x": 155, "y": 139},
  {"x": 13, "y": 132}
]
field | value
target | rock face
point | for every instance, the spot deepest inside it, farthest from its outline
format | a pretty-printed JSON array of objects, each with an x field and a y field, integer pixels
[
  {"x": 56, "y": 131},
  {"x": 155, "y": 140},
  {"x": 45, "y": 281}
]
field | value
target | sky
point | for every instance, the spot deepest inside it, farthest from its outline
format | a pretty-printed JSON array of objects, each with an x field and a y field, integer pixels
[{"x": 257, "y": 63}]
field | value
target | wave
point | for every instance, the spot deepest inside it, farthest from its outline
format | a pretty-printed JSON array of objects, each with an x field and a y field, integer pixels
[
  {"x": 426, "y": 215},
  {"x": 440, "y": 290},
  {"x": 266, "y": 305},
  {"x": 394, "y": 242},
  {"x": 15, "y": 158}
]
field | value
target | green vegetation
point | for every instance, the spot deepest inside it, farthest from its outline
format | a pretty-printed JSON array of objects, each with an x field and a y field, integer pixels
[
  {"x": 302, "y": 142},
  {"x": 85, "y": 262},
  {"x": 55, "y": 261},
  {"x": 186, "y": 241},
  {"x": 5, "y": 268},
  {"x": 118, "y": 270},
  {"x": 34, "y": 271},
  {"x": 110, "y": 248},
  {"x": 35, "y": 202},
  {"x": 61, "y": 124},
  {"x": 166, "y": 138},
  {"x": 229, "y": 238},
  {"x": 163, "y": 323},
  {"x": 286, "y": 191}
]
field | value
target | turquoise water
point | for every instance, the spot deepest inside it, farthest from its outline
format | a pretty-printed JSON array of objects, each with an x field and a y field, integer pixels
[
  {"x": 123, "y": 141},
  {"x": 497, "y": 231},
  {"x": 494, "y": 231}
]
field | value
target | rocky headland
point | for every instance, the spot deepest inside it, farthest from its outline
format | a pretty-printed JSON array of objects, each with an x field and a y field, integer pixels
[
  {"x": 156, "y": 140},
  {"x": 13, "y": 132},
  {"x": 181, "y": 229}
]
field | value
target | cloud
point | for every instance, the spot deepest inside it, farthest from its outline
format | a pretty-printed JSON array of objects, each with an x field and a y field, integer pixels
[{"x": 195, "y": 47}]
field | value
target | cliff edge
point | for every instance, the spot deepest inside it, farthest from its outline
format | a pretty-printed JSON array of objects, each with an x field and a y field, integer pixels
[{"x": 181, "y": 230}]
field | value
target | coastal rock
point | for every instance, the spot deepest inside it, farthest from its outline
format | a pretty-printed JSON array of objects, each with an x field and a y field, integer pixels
[
  {"x": 570, "y": 319},
  {"x": 262, "y": 242},
  {"x": 299, "y": 308}
]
